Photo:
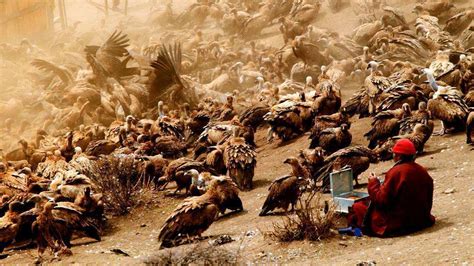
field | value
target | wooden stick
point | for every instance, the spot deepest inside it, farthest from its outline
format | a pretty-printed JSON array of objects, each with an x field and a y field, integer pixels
[{"x": 126, "y": 7}]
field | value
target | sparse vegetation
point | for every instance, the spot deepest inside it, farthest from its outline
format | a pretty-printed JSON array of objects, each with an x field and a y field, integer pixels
[
  {"x": 118, "y": 180},
  {"x": 309, "y": 222}
]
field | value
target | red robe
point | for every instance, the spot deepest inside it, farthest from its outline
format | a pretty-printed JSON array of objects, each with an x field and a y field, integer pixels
[{"x": 401, "y": 205}]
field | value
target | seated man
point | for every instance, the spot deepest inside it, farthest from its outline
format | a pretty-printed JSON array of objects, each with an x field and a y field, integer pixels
[{"x": 402, "y": 204}]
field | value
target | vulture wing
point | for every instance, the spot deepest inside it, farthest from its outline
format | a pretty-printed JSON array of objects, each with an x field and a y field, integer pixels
[
  {"x": 191, "y": 218},
  {"x": 64, "y": 74}
]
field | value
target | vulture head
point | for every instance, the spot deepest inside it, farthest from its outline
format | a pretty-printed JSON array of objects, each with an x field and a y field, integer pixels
[
  {"x": 345, "y": 127},
  {"x": 406, "y": 109},
  {"x": 3, "y": 168},
  {"x": 373, "y": 65},
  {"x": 422, "y": 106},
  {"x": 77, "y": 150},
  {"x": 193, "y": 174},
  {"x": 291, "y": 161}
]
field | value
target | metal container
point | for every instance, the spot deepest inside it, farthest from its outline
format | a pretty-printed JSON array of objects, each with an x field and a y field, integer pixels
[{"x": 342, "y": 190}]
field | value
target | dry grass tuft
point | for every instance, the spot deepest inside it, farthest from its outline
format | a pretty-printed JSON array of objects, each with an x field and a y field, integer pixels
[
  {"x": 118, "y": 181},
  {"x": 309, "y": 223},
  {"x": 200, "y": 254}
]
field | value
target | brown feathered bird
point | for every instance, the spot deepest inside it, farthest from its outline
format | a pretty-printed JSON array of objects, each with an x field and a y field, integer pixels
[
  {"x": 196, "y": 214},
  {"x": 9, "y": 225},
  {"x": 253, "y": 116},
  {"x": 386, "y": 124},
  {"x": 285, "y": 191},
  {"x": 46, "y": 231},
  {"x": 110, "y": 53},
  {"x": 175, "y": 172},
  {"x": 312, "y": 159},
  {"x": 67, "y": 150},
  {"x": 322, "y": 122},
  {"x": 448, "y": 106},
  {"x": 418, "y": 116},
  {"x": 70, "y": 218},
  {"x": 333, "y": 139},
  {"x": 469, "y": 127},
  {"x": 240, "y": 159},
  {"x": 358, "y": 158},
  {"x": 420, "y": 135}
]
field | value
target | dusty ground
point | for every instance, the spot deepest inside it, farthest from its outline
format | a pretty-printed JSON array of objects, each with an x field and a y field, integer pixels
[{"x": 450, "y": 241}]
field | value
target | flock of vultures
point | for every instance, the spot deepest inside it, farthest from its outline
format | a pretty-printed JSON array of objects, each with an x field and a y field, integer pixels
[{"x": 181, "y": 109}]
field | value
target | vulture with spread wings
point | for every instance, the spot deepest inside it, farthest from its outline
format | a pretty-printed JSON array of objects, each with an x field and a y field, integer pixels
[
  {"x": 168, "y": 85},
  {"x": 110, "y": 53}
]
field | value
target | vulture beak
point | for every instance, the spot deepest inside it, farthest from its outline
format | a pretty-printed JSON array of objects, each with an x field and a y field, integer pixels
[{"x": 287, "y": 160}]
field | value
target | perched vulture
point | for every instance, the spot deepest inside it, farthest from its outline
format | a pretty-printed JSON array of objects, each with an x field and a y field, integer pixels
[
  {"x": 170, "y": 147},
  {"x": 240, "y": 159},
  {"x": 196, "y": 214},
  {"x": 312, "y": 159},
  {"x": 358, "y": 158},
  {"x": 332, "y": 139},
  {"x": 289, "y": 119},
  {"x": 448, "y": 106},
  {"x": 47, "y": 232},
  {"x": 175, "y": 172},
  {"x": 286, "y": 190},
  {"x": 9, "y": 225},
  {"x": 70, "y": 218},
  {"x": 419, "y": 116},
  {"x": 358, "y": 104},
  {"x": 420, "y": 135},
  {"x": 469, "y": 127},
  {"x": 253, "y": 116},
  {"x": 386, "y": 124}
]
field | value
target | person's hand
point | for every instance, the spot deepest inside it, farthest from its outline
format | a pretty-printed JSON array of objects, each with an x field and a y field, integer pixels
[{"x": 372, "y": 177}]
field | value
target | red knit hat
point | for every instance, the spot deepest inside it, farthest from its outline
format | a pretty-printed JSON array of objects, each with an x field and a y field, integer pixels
[{"x": 404, "y": 146}]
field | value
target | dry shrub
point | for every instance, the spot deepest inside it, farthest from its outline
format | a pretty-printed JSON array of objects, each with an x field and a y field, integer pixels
[
  {"x": 309, "y": 222},
  {"x": 200, "y": 254},
  {"x": 116, "y": 178}
]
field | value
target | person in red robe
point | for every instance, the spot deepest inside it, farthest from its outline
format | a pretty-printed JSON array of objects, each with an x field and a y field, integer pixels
[{"x": 402, "y": 203}]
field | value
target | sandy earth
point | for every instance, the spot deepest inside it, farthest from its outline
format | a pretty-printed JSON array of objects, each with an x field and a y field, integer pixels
[{"x": 450, "y": 241}]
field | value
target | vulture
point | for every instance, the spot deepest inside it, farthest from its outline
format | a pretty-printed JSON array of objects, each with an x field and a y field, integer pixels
[
  {"x": 9, "y": 225},
  {"x": 170, "y": 147},
  {"x": 175, "y": 172},
  {"x": 240, "y": 159},
  {"x": 332, "y": 139},
  {"x": 358, "y": 104},
  {"x": 47, "y": 232},
  {"x": 358, "y": 158},
  {"x": 323, "y": 122},
  {"x": 67, "y": 150},
  {"x": 108, "y": 55},
  {"x": 418, "y": 116},
  {"x": 308, "y": 53},
  {"x": 168, "y": 85},
  {"x": 375, "y": 84},
  {"x": 70, "y": 218},
  {"x": 469, "y": 127},
  {"x": 312, "y": 159},
  {"x": 196, "y": 214},
  {"x": 420, "y": 135},
  {"x": 386, "y": 124},
  {"x": 286, "y": 190},
  {"x": 289, "y": 119},
  {"x": 328, "y": 102},
  {"x": 254, "y": 116},
  {"x": 448, "y": 106}
]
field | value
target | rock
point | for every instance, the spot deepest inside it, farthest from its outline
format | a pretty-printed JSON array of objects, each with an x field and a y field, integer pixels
[
  {"x": 449, "y": 191},
  {"x": 221, "y": 240},
  {"x": 341, "y": 243}
]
